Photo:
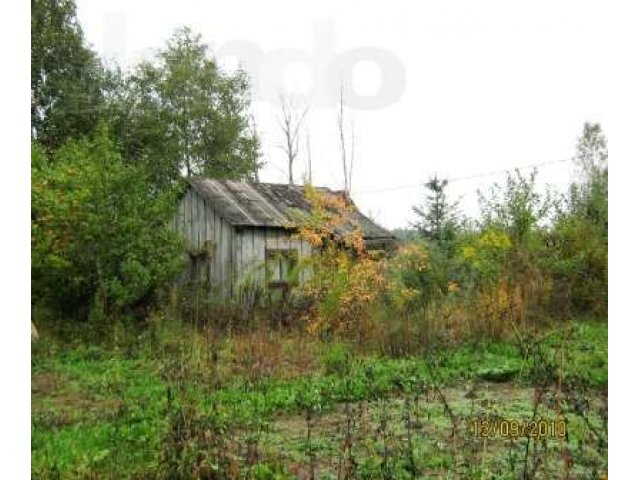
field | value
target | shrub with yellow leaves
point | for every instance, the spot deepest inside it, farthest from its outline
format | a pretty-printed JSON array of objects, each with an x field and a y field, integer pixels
[
  {"x": 484, "y": 255},
  {"x": 497, "y": 306},
  {"x": 346, "y": 280}
]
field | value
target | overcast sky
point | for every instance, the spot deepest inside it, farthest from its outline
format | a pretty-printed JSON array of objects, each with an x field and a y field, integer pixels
[{"x": 454, "y": 88}]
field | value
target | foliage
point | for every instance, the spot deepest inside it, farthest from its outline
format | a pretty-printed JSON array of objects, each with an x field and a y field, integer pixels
[
  {"x": 169, "y": 400},
  {"x": 147, "y": 411},
  {"x": 67, "y": 78},
  {"x": 346, "y": 278},
  {"x": 519, "y": 267},
  {"x": 437, "y": 218},
  {"x": 419, "y": 276},
  {"x": 592, "y": 154},
  {"x": 485, "y": 255},
  {"x": 578, "y": 258},
  {"x": 517, "y": 208},
  {"x": 578, "y": 263},
  {"x": 99, "y": 234},
  {"x": 337, "y": 359},
  {"x": 181, "y": 114}
]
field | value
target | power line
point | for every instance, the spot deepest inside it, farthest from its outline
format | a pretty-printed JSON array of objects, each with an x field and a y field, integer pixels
[
  {"x": 505, "y": 170},
  {"x": 468, "y": 177}
]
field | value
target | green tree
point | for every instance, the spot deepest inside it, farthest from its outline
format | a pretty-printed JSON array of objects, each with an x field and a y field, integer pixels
[
  {"x": 589, "y": 196},
  {"x": 516, "y": 208},
  {"x": 437, "y": 217},
  {"x": 579, "y": 259},
  {"x": 66, "y": 76},
  {"x": 180, "y": 114},
  {"x": 592, "y": 154},
  {"x": 99, "y": 234}
]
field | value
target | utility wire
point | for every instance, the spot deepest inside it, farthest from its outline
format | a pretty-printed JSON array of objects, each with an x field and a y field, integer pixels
[{"x": 468, "y": 177}]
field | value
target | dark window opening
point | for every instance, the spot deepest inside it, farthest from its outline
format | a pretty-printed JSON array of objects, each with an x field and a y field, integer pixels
[{"x": 281, "y": 265}]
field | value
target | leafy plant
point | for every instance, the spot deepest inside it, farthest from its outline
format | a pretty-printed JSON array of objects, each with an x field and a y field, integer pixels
[
  {"x": 180, "y": 113},
  {"x": 346, "y": 280},
  {"x": 99, "y": 234},
  {"x": 337, "y": 360}
]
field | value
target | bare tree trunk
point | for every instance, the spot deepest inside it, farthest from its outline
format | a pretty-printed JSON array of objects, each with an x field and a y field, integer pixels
[
  {"x": 290, "y": 125},
  {"x": 353, "y": 149},
  {"x": 309, "y": 170},
  {"x": 343, "y": 147},
  {"x": 347, "y": 168},
  {"x": 291, "y": 159}
]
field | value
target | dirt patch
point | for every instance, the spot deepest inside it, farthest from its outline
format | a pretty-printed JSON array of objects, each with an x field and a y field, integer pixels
[
  {"x": 459, "y": 397},
  {"x": 59, "y": 402},
  {"x": 44, "y": 383}
]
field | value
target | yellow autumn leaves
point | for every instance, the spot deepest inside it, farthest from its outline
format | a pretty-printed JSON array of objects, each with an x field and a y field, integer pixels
[
  {"x": 348, "y": 283},
  {"x": 346, "y": 279},
  {"x": 483, "y": 249}
]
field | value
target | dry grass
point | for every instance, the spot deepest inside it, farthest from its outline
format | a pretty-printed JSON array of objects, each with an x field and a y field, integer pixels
[
  {"x": 58, "y": 402},
  {"x": 271, "y": 353}
]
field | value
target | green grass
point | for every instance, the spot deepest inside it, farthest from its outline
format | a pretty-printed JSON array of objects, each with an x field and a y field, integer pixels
[{"x": 106, "y": 412}]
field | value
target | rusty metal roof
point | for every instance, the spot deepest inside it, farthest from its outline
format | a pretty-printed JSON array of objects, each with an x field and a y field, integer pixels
[{"x": 270, "y": 205}]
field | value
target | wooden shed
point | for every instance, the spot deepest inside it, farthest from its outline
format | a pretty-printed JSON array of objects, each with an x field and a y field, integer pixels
[{"x": 233, "y": 229}]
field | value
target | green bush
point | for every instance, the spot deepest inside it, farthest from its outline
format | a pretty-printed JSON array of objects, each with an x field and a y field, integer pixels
[
  {"x": 99, "y": 233},
  {"x": 337, "y": 360}
]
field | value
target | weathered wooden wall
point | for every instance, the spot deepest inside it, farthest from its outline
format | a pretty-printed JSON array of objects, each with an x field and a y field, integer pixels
[
  {"x": 235, "y": 251},
  {"x": 199, "y": 223}
]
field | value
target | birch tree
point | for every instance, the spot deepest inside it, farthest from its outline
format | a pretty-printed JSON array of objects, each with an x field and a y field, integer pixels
[{"x": 290, "y": 123}]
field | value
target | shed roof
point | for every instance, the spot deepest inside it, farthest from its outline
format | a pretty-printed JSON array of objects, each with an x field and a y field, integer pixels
[{"x": 251, "y": 204}]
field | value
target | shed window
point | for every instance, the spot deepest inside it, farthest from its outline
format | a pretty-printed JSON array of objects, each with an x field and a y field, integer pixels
[
  {"x": 199, "y": 271},
  {"x": 280, "y": 264}
]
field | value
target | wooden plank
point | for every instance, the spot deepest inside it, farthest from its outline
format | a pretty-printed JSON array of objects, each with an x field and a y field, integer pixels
[
  {"x": 240, "y": 259},
  {"x": 284, "y": 240},
  {"x": 247, "y": 252},
  {"x": 237, "y": 253},
  {"x": 202, "y": 237},
  {"x": 210, "y": 236},
  {"x": 188, "y": 219},
  {"x": 255, "y": 235},
  {"x": 259, "y": 244},
  {"x": 194, "y": 220},
  {"x": 231, "y": 278},
  {"x": 202, "y": 229},
  {"x": 224, "y": 250},
  {"x": 205, "y": 217},
  {"x": 228, "y": 235},
  {"x": 271, "y": 244},
  {"x": 272, "y": 240},
  {"x": 198, "y": 221},
  {"x": 217, "y": 267}
]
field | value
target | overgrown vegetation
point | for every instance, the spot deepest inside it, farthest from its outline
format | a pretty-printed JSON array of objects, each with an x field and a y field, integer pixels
[
  {"x": 100, "y": 240},
  {"x": 175, "y": 403},
  {"x": 530, "y": 261},
  {"x": 369, "y": 364}
]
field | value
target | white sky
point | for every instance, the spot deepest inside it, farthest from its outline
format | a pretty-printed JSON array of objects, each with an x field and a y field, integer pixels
[{"x": 483, "y": 86}]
